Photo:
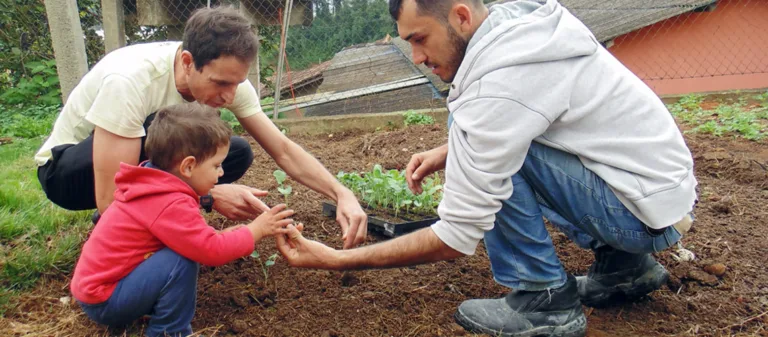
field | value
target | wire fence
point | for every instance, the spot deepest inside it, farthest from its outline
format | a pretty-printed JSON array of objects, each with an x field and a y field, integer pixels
[{"x": 344, "y": 56}]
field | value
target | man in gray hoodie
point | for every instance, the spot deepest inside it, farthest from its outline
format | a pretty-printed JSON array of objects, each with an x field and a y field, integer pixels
[{"x": 544, "y": 121}]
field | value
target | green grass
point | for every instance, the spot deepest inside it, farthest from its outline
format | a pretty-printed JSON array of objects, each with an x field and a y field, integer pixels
[
  {"x": 36, "y": 236},
  {"x": 745, "y": 117},
  {"x": 27, "y": 121}
]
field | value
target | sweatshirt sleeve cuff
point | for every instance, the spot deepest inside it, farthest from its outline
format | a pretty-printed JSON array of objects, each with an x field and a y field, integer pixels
[
  {"x": 245, "y": 244},
  {"x": 461, "y": 237}
]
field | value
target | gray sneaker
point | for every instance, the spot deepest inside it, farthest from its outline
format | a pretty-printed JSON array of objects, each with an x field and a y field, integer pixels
[
  {"x": 618, "y": 276},
  {"x": 554, "y": 312}
]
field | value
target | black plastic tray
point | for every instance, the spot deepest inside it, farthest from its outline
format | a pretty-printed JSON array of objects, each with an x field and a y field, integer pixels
[{"x": 385, "y": 227}]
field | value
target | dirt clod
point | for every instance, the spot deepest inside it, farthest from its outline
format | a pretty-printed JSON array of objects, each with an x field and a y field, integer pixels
[
  {"x": 717, "y": 269},
  {"x": 349, "y": 279},
  {"x": 702, "y": 277},
  {"x": 238, "y": 326}
]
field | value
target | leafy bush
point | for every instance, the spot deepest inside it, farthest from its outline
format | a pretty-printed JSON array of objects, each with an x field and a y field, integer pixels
[
  {"x": 389, "y": 191},
  {"x": 40, "y": 87},
  {"x": 229, "y": 117},
  {"x": 415, "y": 118},
  {"x": 27, "y": 121}
]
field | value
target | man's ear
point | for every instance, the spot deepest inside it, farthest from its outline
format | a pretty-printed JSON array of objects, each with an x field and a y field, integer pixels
[
  {"x": 186, "y": 166},
  {"x": 460, "y": 18},
  {"x": 187, "y": 61}
]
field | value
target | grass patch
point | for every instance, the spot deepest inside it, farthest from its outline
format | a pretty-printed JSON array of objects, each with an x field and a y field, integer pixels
[
  {"x": 745, "y": 117},
  {"x": 36, "y": 236}
]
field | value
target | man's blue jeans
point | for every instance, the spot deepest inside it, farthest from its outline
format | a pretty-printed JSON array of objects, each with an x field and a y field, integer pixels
[
  {"x": 556, "y": 184},
  {"x": 163, "y": 286}
]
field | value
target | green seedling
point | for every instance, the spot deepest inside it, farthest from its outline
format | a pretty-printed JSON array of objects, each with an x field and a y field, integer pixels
[
  {"x": 266, "y": 264},
  {"x": 388, "y": 190},
  {"x": 414, "y": 118},
  {"x": 285, "y": 190}
]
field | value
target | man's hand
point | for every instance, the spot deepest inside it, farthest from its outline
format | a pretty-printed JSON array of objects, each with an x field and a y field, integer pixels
[
  {"x": 352, "y": 218},
  {"x": 303, "y": 253},
  {"x": 423, "y": 164},
  {"x": 238, "y": 202}
]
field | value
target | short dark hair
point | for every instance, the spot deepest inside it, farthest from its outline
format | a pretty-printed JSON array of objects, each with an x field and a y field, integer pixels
[
  {"x": 182, "y": 130},
  {"x": 213, "y": 32},
  {"x": 434, "y": 8}
]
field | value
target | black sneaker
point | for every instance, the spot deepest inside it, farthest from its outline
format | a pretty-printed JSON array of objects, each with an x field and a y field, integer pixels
[
  {"x": 554, "y": 312},
  {"x": 618, "y": 276}
]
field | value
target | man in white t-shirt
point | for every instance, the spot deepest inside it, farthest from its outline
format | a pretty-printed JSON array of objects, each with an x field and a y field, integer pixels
[{"x": 106, "y": 117}]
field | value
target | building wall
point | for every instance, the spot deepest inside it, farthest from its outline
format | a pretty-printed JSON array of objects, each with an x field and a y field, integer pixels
[{"x": 725, "y": 49}]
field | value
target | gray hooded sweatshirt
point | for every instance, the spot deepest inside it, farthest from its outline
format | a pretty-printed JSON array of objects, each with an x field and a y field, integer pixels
[{"x": 534, "y": 72}]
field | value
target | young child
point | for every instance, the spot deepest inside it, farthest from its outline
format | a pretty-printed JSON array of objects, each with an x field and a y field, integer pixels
[{"x": 142, "y": 257}]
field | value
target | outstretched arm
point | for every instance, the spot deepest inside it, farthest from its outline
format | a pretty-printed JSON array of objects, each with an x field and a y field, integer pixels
[
  {"x": 419, "y": 247},
  {"x": 307, "y": 170}
]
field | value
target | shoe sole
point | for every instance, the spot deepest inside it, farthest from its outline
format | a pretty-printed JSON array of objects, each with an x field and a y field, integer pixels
[
  {"x": 574, "y": 328},
  {"x": 624, "y": 292}
]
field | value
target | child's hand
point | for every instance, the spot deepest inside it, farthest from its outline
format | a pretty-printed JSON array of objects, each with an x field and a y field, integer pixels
[{"x": 271, "y": 222}]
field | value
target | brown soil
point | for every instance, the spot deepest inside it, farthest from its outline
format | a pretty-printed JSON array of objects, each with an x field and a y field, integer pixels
[{"x": 730, "y": 238}]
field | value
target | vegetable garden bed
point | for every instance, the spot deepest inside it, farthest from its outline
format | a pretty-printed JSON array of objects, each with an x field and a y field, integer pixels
[{"x": 252, "y": 297}]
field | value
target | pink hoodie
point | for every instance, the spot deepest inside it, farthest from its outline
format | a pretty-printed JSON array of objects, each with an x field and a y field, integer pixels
[{"x": 152, "y": 210}]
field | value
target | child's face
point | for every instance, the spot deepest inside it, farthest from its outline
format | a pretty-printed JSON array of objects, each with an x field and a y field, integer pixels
[{"x": 206, "y": 174}]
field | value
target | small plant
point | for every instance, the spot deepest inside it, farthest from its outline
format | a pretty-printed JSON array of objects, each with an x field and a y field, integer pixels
[
  {"x": 266, "y": 264},
  {"x": 415, "y": 118},
  {"x": 285, "y": 190}
]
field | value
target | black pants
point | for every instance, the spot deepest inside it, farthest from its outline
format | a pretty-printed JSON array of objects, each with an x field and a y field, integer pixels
[{"x": 67, "y": 179}]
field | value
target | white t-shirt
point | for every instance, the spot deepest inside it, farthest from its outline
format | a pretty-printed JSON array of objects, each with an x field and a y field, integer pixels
[{"x": 125, "y": 87}]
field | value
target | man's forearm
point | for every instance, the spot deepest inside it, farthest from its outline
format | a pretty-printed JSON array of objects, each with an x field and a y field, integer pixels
[
  {"x": 420, "y": 247},
  {"x": 307, "y": 170}
]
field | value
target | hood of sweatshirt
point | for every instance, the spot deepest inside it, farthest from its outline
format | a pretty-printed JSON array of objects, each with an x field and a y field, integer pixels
[
  {"x": 530, "y": 32},
  {"x": 135, "y": 182}
]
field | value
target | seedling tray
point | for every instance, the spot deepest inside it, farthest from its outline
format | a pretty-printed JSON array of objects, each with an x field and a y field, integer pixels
[{"x": 387, "y": 228}]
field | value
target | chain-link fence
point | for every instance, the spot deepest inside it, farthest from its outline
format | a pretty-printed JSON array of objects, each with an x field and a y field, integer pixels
[{"x": 344, "y": 56}]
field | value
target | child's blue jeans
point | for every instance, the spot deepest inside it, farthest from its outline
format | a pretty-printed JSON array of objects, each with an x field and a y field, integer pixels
[
  {"x": 163, "y": 286},
  {"x": 556, "y": 184}
]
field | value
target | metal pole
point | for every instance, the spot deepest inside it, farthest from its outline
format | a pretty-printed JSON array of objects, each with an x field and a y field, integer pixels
[{"x": 283, "y": 41}]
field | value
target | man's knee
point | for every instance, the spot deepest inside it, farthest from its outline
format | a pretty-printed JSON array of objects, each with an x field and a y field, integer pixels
[{"x": 239, "y": 159}]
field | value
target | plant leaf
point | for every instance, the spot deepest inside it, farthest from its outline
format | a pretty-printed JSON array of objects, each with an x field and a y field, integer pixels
[
  {"x": 285, "y": 190},
  {"x": 255, "y": 254},
  {"x": 279, "y": 176}
]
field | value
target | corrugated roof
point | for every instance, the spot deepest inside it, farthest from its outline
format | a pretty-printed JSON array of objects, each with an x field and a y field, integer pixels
[
  {"x": 298, "y": 78},
  {"x": 364, "y": 66}
]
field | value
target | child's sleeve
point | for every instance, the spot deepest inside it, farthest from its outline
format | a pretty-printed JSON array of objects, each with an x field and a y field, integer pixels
[{"x": 181, "y": 227}]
